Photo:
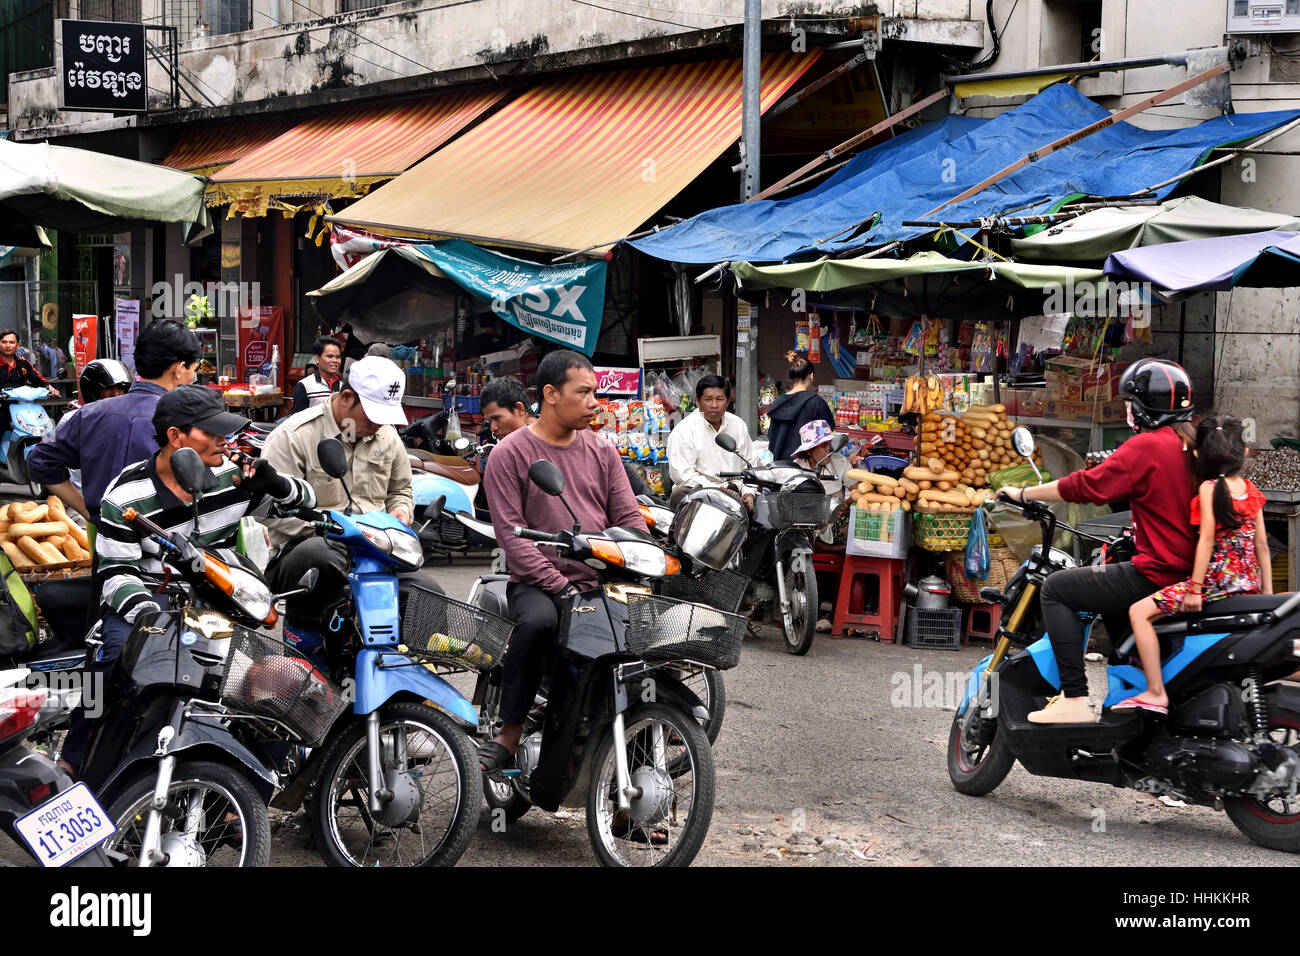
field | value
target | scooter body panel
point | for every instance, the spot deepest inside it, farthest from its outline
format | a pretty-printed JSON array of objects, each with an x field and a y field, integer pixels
[
  {"x": 383, "y": 674},
  {"x": 425, "y": 487}
]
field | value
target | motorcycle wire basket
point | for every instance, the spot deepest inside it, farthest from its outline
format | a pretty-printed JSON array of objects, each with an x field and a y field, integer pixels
[
  {"x": 660, "y": 629},
  {"x": 266, "y": 678},
  {"x": 438, "y": 628},
  {"x": 723, "y": 590},
  {"x": 798, "y": 509}
]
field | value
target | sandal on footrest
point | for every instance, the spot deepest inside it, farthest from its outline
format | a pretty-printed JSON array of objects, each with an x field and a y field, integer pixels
[{"x": 493, "y": 756}]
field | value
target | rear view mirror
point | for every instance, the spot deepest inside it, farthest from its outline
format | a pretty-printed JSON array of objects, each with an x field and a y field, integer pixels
[
  {"x": 726, "y": 443},
  {"x": 838, "y": 441},
  {"x": 1022, "y": 440},
  {"x": 333, "y": 459},
  {"x": 308, "y": 580},
  {"x": 546, "y": 476},
  {"x": 191, "y": 474},
  {"x": 461, "y": 445}
]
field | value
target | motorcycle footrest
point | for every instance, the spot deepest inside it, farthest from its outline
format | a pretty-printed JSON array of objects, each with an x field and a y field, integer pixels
[{"x": 512, "y": 772}]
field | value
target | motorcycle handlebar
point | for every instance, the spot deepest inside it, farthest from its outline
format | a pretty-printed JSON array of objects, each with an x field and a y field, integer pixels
[{"x": 529, "y": 535}]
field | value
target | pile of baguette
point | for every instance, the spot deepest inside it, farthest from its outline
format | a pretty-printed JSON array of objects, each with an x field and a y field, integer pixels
[
  {"x": 42, "y": 536},
  {"x": 925, "y": 488},
  {"x": 972, "y": 445}
]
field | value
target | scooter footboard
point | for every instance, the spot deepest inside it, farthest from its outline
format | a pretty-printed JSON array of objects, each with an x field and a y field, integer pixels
[{"x": 381, "y": 675}]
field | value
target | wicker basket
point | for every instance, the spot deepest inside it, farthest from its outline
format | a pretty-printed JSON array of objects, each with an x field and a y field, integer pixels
[
  {"x": 1002, "y": 566},
  {"x": 941, "y": 530}
]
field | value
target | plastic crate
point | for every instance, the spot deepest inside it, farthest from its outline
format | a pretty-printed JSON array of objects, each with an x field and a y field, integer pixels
[
  {"x": 467, "y": 404},
  {"x": 878, "y": 534},
  {"x": 938, "y": 629}
]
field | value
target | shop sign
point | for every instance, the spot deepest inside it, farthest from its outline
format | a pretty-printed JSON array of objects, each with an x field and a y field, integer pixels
[
  {"x": 101, "y": 67},
  {"x": 617, "y": 381}
]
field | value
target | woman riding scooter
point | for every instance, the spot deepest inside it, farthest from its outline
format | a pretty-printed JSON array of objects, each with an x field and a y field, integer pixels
[{"x": 1153, "y": 471}]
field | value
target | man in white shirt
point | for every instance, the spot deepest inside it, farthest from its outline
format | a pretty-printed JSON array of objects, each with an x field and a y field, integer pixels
[{"x": 694, "y": 458}]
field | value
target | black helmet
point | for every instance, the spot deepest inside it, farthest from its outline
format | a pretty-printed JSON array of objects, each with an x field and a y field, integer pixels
[
  {"x": 1160, "y": 391},
  {"x": 100, "y": 375}
]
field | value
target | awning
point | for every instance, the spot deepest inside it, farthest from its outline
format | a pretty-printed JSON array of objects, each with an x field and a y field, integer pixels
[
  {"x": 206, "y": 148},
  {"x": 81, "y": 191},
  {"x": 576, "y": 162},
  {"x": 385, "y": 296},
  {"x": 345, "y": 150},
  {"x": 1258, "y": 260},
  {"x": 1117, "y": 161},
  {"x": 1095, "y": 235}
]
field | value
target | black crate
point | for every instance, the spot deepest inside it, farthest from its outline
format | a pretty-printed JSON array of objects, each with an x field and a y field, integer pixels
[{"x": 938, "y": 629}]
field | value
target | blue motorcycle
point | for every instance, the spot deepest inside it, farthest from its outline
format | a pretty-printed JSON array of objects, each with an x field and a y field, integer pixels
[
  {"x": 450, "y": 474},
  {"x": 28, "y": 424}
]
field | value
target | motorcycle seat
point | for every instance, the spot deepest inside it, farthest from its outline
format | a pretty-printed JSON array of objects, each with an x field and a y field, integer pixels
[
  {"x": 64, "y": 604},
  {"x": 461, "y": 474},
  {"x": 492, "y": 597},
  {"x": 1238, "y": 604},
  {"x": 264, "y": 427},
  {"x": 418, "y": 454}
]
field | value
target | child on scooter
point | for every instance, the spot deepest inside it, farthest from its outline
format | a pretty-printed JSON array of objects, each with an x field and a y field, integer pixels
[{"x": 1231, "y": 555}]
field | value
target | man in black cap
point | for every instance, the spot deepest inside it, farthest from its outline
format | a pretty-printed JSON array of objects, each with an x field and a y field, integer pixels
[{"x": 128, "y": 566}]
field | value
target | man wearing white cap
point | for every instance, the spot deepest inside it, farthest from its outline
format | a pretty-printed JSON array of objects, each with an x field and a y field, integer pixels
[{"x": 361, "y": 415}]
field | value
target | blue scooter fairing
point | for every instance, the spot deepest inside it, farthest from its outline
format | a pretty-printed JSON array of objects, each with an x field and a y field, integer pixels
[
  {"x": 382, "y": 674},
  {"x": 426, "y": 487}
]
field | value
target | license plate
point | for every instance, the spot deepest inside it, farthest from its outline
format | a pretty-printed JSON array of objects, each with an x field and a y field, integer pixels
[{"x": 65, "y": 826}]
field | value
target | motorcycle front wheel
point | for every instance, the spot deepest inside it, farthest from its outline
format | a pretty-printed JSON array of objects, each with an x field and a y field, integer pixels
[
  {"x": 706, "y": 684},
  {"x": 799, "y": 624},
  {"x": 671, "y": 765},
  {"x": 977, "y": 763},
  {"x": 431, "y": 770},
  {"x": 213, "y": 817}
]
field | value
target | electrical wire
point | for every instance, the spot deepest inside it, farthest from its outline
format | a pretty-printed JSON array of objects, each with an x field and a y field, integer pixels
[{"x": 641, "y": 16}]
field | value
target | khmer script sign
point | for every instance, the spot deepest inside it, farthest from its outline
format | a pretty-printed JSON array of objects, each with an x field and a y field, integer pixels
[{"x": 101, "y": 67}]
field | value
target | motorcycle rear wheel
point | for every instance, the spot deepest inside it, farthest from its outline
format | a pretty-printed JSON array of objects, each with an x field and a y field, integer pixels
[
  {"x": 505, "y": 796},
  {"x": 677, "y": 784},
  {"x": 976, "y": 770},
  {"x": 799, "y": 626},
  {"x": 223, "y": 792},
  {"x": 1276, "y": 823},
  {"x": 440, "y": 762}
]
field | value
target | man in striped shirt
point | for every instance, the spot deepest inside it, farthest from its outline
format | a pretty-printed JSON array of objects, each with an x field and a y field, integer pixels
[{"x": 129, "y": 569}]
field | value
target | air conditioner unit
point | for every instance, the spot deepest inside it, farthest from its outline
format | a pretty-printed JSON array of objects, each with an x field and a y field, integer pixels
[{"x": 1263, "y": 16}]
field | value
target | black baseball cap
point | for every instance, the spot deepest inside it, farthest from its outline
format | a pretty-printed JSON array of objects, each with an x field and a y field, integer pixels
[{"x": 191, "y": 406}]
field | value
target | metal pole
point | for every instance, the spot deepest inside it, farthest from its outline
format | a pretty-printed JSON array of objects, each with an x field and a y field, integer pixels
[{"x": 751, "y": 118}]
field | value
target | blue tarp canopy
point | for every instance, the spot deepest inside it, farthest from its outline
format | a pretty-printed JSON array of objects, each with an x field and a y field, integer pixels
[{"x": 907, "y": 177}]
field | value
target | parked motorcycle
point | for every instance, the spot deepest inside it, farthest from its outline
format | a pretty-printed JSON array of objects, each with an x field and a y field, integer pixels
[
  {"x": 789, "y": 507},
  {"x": 614, "y": 730},
  {"x": 28, "y": 424},
  {"x": 57, "y": 822},
  {"x": 450, "y": 471},
  {"x": 1231, "y": 739}
]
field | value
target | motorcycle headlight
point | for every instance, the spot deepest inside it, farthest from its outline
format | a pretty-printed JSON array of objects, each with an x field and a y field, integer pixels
[
  {"x": 251, "y": 594},
  {"x": 401, "y": 545},
  {"x": 647, "y": 559}
]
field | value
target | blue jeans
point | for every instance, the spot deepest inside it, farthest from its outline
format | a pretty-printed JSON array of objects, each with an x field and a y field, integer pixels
[{"x": 113, "y": 633}]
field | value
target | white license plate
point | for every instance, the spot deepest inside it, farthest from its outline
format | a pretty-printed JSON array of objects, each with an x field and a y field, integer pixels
[{"x": 65, "y": 826}]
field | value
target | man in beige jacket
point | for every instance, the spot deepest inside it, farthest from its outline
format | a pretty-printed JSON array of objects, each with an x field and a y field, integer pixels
[{"x": 362, "y": 415}]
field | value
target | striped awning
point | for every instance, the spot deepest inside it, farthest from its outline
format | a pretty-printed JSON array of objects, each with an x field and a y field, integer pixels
[
  {"x": 345, "y": 150},
  {"x": 578, "y": 161},
  {"x": 204, "y": 149}
]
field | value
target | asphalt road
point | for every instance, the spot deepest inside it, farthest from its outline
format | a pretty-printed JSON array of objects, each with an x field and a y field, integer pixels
[{"x": 835, "y": 745}]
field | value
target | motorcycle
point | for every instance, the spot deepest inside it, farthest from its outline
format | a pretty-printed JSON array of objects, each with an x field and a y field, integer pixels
[
  {"x": 614, "y": 731},
  {"x": 28, "y": 424},
  {"x": 451, "y": 472},
  {"x": 1231, "y": 739},
  {"x": 789, "y": 507},
  {"x": 394, "y": 781},
  {"x": 57, "y": 822}
]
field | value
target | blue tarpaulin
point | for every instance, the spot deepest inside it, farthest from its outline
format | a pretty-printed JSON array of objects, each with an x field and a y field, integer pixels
[{"x": 910, "y": 175}]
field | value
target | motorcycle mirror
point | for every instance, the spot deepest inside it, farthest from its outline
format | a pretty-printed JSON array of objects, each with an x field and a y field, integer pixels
[
  {"x": 333, "y": 459},
  {"x": 306, "y": 584},
  {"x": 726, "y": 443},
  {"x": 839, "y": 441},
  {"x": 1022, "y": 440},
  {"x": 433, "y": 511},
  {"x": 546, "y": 476},
  {"x": 461, "y": 445},
  {"x": 191, "y": 474}
]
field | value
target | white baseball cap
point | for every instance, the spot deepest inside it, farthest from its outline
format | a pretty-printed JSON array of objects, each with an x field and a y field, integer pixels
[{"x": 379, "y": 383}]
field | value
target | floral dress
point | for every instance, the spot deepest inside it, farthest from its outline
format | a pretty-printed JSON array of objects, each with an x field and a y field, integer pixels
[{"x": 1234, "y": 566}]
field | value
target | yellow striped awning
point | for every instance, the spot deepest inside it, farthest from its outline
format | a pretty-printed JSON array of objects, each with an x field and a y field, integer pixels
[
  {"x": 577, "y": 161},
  {"x": 205, "y": 148},
  {"x": 344, "y": 150}
]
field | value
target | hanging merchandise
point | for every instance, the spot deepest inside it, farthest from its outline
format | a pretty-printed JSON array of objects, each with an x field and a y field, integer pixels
[
  {"x": 1137, "y": 328},
  {"x": 814, "y": 338},
  {"x": 944, "y": 363},
  {"x": 982, "y": 349},
  {"x": 976, "y": 564},
  {"x": 833, "y": 341},
  {"x": 912, "y": 344},
  {"x": 801, "y": 335}
]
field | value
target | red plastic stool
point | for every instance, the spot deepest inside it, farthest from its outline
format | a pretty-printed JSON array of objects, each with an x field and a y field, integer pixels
[
  {"x": 870, "y": 589},
  {"x": 827, "y": 566},
  {"x": 982, "y": 622}
]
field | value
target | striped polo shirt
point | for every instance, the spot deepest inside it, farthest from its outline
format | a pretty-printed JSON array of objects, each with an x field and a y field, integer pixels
[{"x": 129, "y": 567}]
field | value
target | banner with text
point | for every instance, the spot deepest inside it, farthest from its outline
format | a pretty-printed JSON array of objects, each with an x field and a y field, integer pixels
[
  {"x": 126, "y": 326},
  {"x": 85, "y": 340},
  {"x": 260, "y": 330}
]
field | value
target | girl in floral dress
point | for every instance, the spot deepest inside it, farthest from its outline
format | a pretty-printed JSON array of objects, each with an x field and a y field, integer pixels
[{"x": 1231, "y": 555}]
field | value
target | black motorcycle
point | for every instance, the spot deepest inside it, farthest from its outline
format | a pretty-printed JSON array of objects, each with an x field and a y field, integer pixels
[{"x": 1231, "y": 739}]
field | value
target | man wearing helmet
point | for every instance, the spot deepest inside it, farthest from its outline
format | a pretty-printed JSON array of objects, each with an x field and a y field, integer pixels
[{"x": 1153, "y": 471}]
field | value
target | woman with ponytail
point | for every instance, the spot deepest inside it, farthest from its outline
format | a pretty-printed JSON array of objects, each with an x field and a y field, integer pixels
[
  {"x": 794, "y": 409},
  {"x": 1231, "y": 554}
]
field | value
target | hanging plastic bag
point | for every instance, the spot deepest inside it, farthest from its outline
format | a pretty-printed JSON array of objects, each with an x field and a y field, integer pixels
[{"x": 976, "y": 565}]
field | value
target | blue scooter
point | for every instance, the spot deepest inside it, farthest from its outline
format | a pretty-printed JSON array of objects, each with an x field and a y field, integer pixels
[
  {"x": 396, "y": 783},
  {"x": 28, "y": 424}
]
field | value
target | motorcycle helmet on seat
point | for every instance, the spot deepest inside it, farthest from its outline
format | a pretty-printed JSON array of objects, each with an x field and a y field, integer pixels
[
  {"x": 101, "y": 375},
  {"x": 709, "y": 527},
  {"x": 1159, "y": 391}
]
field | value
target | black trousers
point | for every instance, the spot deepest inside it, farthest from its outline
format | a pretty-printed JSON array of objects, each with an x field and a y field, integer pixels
[
  {"x": 537, "y": 623},
  {"x": 1108, "y": 589}
]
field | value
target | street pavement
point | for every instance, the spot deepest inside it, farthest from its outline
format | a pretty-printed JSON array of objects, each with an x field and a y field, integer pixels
[{"x": 830, "y": 759}]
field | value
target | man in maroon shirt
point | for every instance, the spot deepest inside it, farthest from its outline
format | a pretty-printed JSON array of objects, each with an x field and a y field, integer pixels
[
  {"x": 1152, "y": 470},
  {"x": 595, "y": 487}
]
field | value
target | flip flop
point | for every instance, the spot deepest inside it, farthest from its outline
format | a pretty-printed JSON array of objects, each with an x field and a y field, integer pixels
[
  {"x": 624, "y": 829},
  {"x": 493, "y": 756},
  {"x": 1133, "y": 703}
]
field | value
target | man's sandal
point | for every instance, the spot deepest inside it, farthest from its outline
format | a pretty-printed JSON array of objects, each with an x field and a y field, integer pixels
[
  {"x": 622, "y": 828},
  {"x": 493, "y": 756}
]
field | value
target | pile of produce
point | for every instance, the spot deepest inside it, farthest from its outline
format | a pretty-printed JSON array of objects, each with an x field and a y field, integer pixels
[
  {"x": 1276, "y": 470},
  {"x": 929, "y": 487},
  {"x": 42, "y": 536},
  {"x": 973, "y": 445},
  {"x": 922, "y": 394}
]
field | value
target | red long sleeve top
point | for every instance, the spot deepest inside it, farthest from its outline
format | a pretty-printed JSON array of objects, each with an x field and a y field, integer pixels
[{"x": 1150, "y": 470}]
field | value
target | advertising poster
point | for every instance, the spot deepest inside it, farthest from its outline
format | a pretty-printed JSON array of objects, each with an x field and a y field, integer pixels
[
  {"x": 260, "y": 330},
  {"x": 126, "y": 326},
  {"x": 85, "y": 340}
]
